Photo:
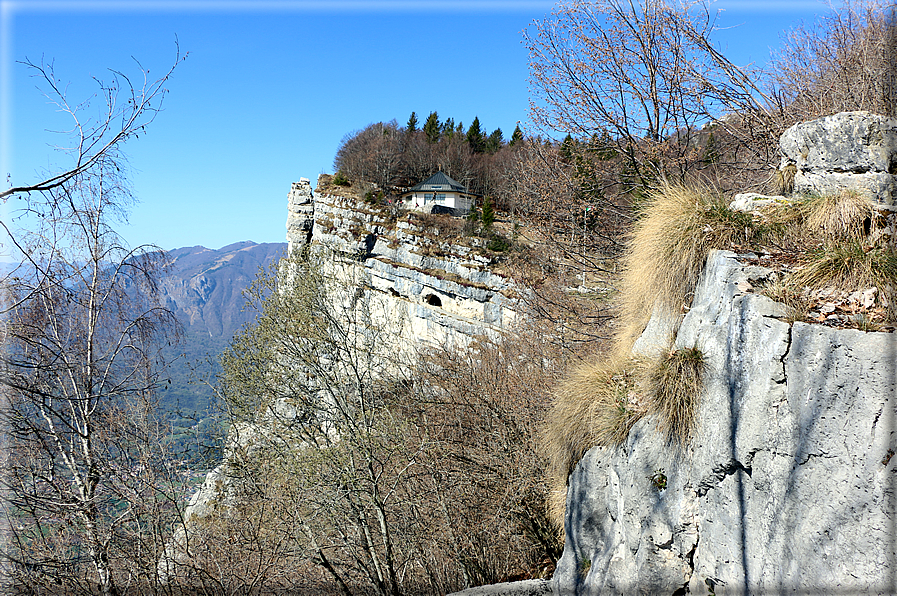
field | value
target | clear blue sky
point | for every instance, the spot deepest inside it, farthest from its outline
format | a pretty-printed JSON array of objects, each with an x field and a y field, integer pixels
[{"x": 271, "y": 87}]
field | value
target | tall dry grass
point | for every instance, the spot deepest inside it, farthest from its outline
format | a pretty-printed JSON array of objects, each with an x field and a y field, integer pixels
[
  {"x": 674, "y": 391},
  {"x": 845, "y": 215},
  {"x": 843, "y": 244},
  {"x": 596, "y": 404},
  {"x": 666, "y": 253}
]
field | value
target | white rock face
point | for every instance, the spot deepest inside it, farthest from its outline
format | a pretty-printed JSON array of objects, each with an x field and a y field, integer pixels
[
  {"x": 300, "y": 214},
  {"x": 852, "y": 150},
  {"x": 442, "y": 291},
  {"x": 789, "y": 484},
  {"x": 428, "y": 290}
]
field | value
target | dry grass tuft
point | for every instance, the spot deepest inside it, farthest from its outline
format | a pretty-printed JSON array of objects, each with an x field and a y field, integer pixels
[
  {"x": 667, "y": 251},
  {"x": 783, "y": 180},
  {"x": 851, "y": 265},
  {"x": 842, "y": 241},
  {"x": 675, "y": 383},
  {"x": 842, "y": 216},
  {"x": 596, "y": 405},
  {"x": 797, "y": 303}
]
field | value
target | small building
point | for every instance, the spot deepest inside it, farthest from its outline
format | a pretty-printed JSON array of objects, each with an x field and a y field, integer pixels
[{"x": 440, "y": 194}]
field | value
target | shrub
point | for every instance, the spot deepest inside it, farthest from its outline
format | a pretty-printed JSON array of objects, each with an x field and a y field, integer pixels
[
  {"x": 374, "y": 197},
  {"x": 675, "y": 384},
  {"x": 498, "y": 243},
  {"x": 340, "y": 179}
]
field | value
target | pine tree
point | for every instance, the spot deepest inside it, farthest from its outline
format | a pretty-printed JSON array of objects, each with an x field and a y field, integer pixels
[
  {"x": 412, "y": 123},
  {"x": 568, "y": 147},
  {"x": 711, "y": 150},
  {"x": 448, "y": 127},
  {"x": 475, "y": 137},
  {"x": 516, "y": 136},
  {"x": 431, "y": 127},
  {"x": 488, "y": 215},
  {"x": 495, "y": 141}
]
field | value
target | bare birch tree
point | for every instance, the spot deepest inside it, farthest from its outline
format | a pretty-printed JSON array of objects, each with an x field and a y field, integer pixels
[{"x": 81, "y": 324}]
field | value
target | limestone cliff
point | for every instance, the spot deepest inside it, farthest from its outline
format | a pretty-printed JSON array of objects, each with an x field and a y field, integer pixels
[
  {"x": 429, "y": 288},
  {"x": 446, "y": 289},
  {"x": 788, "y": 485}
]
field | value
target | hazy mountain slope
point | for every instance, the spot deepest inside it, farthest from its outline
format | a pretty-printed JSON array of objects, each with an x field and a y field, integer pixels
[{"x": 204, "y": 288}]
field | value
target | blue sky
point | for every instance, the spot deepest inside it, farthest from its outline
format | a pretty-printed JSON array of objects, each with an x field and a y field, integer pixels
[{"x": 271, "y": 87}]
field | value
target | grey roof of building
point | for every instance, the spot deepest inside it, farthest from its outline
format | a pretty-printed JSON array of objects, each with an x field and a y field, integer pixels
[{"x": 440, "y": 180}]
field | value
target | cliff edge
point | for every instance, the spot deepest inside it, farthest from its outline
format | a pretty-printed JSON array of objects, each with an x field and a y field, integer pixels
[{"x": 788, "y": 485}]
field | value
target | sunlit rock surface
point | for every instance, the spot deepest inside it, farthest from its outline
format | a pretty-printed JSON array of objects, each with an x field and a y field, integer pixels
[{"x": 788, "y": 485}]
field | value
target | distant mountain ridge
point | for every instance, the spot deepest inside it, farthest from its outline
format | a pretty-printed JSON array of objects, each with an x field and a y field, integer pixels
[{"x": 204, "y": 288}]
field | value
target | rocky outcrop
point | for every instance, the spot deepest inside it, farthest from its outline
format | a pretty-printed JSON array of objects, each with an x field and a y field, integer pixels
[
  {"x": 300, "y": 214},
  {"x": 446, "y": 289},
  {"x": 852, "y": 150},
  {"x": 789, "y": 483}
]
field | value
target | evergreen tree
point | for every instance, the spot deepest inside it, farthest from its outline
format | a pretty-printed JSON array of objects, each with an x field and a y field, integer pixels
[
  {"x": 488, "y": 215},
  {"x": 475, "y": 137},
  {"x": 412, "y": 123},
  {"x": 516, "y": 136},
  {"x": 448, "y": 127},
  {"x": 568, "y": 147},
  {"x": 495, "y": 141},
  {"x": 602, "y": 146},
  {"x": 432, "y": 128},
  {"x": 711, "y": 150}
]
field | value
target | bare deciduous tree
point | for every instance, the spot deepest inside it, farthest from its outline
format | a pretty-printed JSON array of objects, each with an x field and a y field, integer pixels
[
  {"x": 646, "y": 76},
  {"x": 129, "y": 108},
  {"x": 843, "y": 62},
  {"x": 81, "y": 326}
]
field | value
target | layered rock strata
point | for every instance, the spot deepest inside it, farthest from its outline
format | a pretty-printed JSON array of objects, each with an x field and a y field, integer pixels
[{"x": 446, "y": 291}]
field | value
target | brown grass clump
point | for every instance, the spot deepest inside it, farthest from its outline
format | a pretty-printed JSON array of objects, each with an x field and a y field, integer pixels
[
  {"x": 667, "y": 251},
  {"x": 674, "y": 389},
  {"x": 845, "y": 215},
  {"x": 808, "y": 221},
  {"x": 851, "y": 265},
  {"x": 595, "y": 405},
  {"x": 841, "y": 242}
]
